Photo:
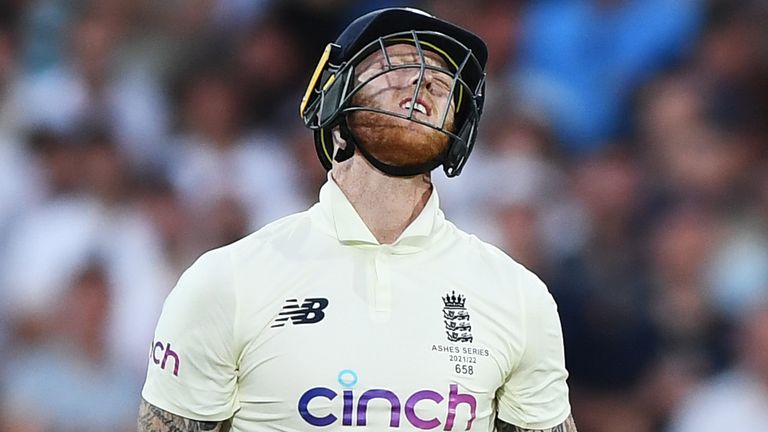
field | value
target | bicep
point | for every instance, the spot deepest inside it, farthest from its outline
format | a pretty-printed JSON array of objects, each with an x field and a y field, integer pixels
[
  {"x": 192, "y": 368},
  {"x": 535, "y": 394},
  {"x": 154, "y": 419},
  {"x": 567, "y": 426}
]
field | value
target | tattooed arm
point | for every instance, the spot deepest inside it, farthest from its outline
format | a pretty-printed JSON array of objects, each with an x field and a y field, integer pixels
[
  {"x": 154, "y": 419},
  {"x": 566, "y": 426}
]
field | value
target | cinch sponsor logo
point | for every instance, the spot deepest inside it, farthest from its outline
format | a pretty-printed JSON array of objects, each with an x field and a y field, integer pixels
[
  {"x": 160, "y": 354},
  {"x": 355, "y": 405}
]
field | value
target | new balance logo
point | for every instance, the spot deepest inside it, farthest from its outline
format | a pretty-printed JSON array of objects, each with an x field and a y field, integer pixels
[{"x": 309, "y": 311}]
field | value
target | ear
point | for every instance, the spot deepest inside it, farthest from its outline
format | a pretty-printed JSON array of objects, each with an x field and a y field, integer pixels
[
  {"x": 339, "y": 144},
  {"x": 338, "y": 141},
  {"x": 342, "y": 149}
]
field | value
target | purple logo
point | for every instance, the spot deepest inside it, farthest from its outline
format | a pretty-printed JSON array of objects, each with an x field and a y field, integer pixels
[
  {"x": 355, "y": 408},
  {"x": 165, "y": 353}
]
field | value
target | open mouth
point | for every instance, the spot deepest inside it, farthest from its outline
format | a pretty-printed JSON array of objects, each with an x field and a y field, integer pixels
[{"x": 419, "y": 106}]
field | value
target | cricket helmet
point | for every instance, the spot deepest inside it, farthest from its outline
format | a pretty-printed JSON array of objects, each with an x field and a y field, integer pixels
[{"x": 329, "y": 95}]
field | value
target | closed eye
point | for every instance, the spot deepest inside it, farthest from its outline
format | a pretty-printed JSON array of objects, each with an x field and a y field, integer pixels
[{"x": 441, "y": 83}]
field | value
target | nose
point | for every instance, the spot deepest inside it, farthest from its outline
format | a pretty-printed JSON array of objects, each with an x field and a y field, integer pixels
[{"x": 426, "y": 82}]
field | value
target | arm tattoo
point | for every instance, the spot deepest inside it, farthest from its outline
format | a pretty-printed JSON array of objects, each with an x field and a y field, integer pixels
[
  {"x": 154, "y": 419},
  {"x": 567, "y": 426}
]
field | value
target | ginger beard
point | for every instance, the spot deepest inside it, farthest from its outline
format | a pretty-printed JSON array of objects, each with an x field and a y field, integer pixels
[{"x": 397, "y": 141}]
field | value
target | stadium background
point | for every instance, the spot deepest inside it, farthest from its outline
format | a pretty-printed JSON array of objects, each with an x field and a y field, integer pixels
[{"x": 622, "y": 157}]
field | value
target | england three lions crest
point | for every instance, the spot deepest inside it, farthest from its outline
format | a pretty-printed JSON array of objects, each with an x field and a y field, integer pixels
[{"x": 456, "y": 318}]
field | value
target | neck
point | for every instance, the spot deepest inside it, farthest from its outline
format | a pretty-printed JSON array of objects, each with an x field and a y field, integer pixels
[{"x": 387, "y": 205}]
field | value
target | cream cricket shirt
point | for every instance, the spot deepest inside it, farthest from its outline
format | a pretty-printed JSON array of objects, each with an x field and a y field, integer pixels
[{"x": 310, "y": 324}]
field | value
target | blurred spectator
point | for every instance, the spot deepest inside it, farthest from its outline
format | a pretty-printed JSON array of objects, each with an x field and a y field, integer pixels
[
  {"x": 266, "y": 91},
  {"x": 129, "y": 245},
  {"x": 602, "y": 289},
  {"x": 538, "y": 222},
  {"x": 603, "y": 286},
  {"x": 18, "y": 189},
  {"x": 68, "y": 383},
  {"x": 312, "y": 175},
  {"x": 44, "y": 27},
  {"x": 10, "y": 74},
  {"x": 514, "y": 166},
  {"x": 580, "y": 60},
  {"x": 733, "y": 60},
  {"x": 215, "y": 159},
  {"x": 89, "y": 85},
  {"x": 234, "y": 15},
  {"x": 693, "y": 333},
  {"x": 682, "y": 250},
  {"x": 172, "y": 224},
  {"x": 737, "y": 399},
  {"x": 44, "y": 245},
  {"x": 739, "y": 273},
  {"x": 88, "y": 213},
  {"x": 691, "y": 158}
]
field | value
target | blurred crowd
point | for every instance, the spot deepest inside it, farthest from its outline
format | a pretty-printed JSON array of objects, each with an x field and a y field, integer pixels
[{"x": 622, "y": 157}]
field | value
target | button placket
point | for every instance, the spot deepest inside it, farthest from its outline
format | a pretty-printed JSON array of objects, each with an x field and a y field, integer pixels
[{"x": 383, "y": 290}]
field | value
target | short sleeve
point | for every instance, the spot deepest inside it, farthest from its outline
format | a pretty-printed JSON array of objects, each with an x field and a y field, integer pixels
[
  {"x": 192, "y": 368},
  {"x": 535, "y": 395}
]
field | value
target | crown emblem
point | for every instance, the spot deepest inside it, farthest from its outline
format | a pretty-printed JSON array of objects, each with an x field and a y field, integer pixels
[{"x": 454, "y": 301}]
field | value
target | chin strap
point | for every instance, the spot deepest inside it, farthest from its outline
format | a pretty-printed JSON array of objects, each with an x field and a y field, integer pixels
[{"x": 393, "y": 170}]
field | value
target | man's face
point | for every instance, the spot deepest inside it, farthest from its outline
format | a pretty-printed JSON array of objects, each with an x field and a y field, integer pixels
[{"x": 394, "y": 140}]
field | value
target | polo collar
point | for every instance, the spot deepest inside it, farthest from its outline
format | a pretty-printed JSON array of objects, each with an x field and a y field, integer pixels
[{"x": 350, "y": 229}]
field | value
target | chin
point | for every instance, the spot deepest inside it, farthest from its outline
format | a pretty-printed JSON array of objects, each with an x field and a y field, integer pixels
[{"x": 397, "y": 141}]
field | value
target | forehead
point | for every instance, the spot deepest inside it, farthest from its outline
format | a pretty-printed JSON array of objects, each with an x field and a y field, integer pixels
[{"x": 402, "y": 53}]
